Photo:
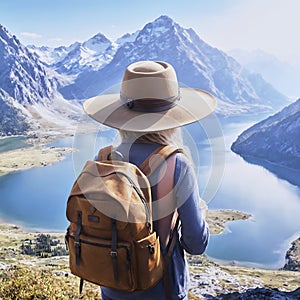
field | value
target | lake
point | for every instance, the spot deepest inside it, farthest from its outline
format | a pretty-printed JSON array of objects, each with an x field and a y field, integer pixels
[{"x": 36, "y": 198}]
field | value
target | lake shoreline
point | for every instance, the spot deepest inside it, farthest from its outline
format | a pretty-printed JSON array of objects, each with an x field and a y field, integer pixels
[
  {"x": 36, "y": 153},
  {"x": 31, "y": 157},
  {"x": 217, "y": 221}
]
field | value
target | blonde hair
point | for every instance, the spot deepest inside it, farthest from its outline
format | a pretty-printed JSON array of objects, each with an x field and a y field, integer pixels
[
  {"x": 171, "y": 137},
  {"x": 164, "y": 137}
]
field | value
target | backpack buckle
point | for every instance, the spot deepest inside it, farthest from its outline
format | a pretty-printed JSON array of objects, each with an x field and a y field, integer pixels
[
  {"x": 151, "y": 248},
  {"x": 113, "y": 253}
]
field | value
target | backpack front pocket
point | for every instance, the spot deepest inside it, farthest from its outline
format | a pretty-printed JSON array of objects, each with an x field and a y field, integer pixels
[
  {"x": 149, "y": 261},
  {"x": 94, "y": 260}
]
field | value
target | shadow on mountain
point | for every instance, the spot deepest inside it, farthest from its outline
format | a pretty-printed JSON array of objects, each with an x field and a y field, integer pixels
[{"x": 258, "y": 293}]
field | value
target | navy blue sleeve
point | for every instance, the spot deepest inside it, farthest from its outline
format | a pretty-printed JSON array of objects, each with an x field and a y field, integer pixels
[{"x": 194, "y": 229}]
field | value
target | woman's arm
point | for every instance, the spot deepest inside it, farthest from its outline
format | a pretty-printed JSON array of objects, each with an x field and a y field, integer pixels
[{"x": 191, "y": 209}]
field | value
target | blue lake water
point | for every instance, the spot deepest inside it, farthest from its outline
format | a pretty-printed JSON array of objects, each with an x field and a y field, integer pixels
[{"x": 37, "y": 198}]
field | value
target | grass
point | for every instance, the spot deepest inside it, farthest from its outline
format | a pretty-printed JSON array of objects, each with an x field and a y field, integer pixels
[
  {"x": 25, "y": 277},
  {"x": 23, "y": 282}
]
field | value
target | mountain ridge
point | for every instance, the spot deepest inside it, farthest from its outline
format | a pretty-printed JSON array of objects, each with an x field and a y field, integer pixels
[
  {"x": 276, "y": 71},
  {"x": 197, "y": 64},
  {"x": 274, "y": 141},
  {"x": 29, "y": 94},
  {"x": 32, "y": 77}
]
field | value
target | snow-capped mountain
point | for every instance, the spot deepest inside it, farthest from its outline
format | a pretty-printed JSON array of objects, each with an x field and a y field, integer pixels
[
  {"x": 28, "y": 90},
  {"x": 78, "y": 57},
  {"x": 280, "y": 74},
  {"x": 35, "y": 81},
  {"x": 23, "y": 77},
  {"x": 197, "y": 65},
  {"x": 127, "y": 38},
  {"x": 275, "y": 139}
]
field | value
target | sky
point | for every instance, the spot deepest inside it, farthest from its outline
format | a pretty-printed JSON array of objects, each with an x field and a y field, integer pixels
[{"x": 269, "y": 25}]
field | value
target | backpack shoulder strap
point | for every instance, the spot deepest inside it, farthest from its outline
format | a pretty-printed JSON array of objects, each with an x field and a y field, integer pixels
[
  {"x": 105, "y": 153},
  {"x": 155, "y": 159}
]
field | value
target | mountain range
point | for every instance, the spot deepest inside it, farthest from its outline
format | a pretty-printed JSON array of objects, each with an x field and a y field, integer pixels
[
  {"x": 35, "y": 82},
  {"x": 29, "y": 97},
  {"x": 274, "y": 142},
  {"x": 284, "y": 76}
]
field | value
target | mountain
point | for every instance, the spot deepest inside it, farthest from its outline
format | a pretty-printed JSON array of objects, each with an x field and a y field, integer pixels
[
  {"x": 29, "y": 98},
  {"x": 78, "y": 57},
  {"x": 36, "y": 81},
  {"x": 280, "y": 74},
  {"x": 274, "y": 141},
  {"x": 197, "y": 64}
]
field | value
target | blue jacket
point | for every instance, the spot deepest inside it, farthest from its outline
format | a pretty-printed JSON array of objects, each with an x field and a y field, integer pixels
[{"x": 192, "y": 236}]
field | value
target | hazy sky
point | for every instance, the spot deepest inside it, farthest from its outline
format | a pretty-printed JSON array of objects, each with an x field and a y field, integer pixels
[{"x": 270, "y": 25}]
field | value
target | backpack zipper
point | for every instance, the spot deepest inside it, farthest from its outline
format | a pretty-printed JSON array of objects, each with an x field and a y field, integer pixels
[{"x": 148, "y": 222}]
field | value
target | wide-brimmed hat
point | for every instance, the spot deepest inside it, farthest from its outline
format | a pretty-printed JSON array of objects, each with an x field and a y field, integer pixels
[{"x": 150, "y": 100}]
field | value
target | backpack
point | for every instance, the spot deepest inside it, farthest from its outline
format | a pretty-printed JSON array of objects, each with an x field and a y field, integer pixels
[{"x": 110, "y": 238}]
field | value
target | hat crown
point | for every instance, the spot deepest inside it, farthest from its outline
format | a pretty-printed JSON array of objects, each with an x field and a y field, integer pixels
[
  {"x": 149, "y": 80},
  {"x": 146, "y": 67},
  {"x": 149, "y": 100}
]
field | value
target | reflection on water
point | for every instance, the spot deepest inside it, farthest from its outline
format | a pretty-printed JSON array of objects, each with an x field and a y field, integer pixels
[{"x": 274, "y": 204}]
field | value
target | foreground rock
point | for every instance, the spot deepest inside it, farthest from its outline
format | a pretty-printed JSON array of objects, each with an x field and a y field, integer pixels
[
  {"x": 293, "y": 257},
  {"x": 213, "y": 281}
]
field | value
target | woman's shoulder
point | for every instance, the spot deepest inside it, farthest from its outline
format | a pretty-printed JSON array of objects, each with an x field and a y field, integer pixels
[{"x": 183, "y": 160}]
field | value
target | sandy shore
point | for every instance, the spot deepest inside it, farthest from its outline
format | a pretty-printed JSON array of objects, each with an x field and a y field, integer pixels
[
  {"x": 217, "y": 219},
  {"x": 26, "y": 158}
]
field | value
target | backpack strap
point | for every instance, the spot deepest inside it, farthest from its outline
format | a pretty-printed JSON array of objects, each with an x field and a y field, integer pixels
[
  {"x": 105, "y": 153},
  {"x": 155, "y": 159},
  {"x": 169, "y": 224},
  {"x": 164, "y": 187}
]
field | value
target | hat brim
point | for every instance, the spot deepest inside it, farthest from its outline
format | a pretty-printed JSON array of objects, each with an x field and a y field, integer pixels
[{"x": 108, "y": 109}]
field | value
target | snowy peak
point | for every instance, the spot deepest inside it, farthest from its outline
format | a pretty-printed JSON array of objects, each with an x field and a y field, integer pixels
[
  {"x": 29, "y": 99},
  {"x": 92, "y": 54},
  {"x": 98, "y": 43},
  {"x": 162, "y": 26},
  {"x": 127, "y": 38},
  {"x": 7, "y": 39},
  {"x": 197, "y": 65},
  {"x": 24, "y": 77}
]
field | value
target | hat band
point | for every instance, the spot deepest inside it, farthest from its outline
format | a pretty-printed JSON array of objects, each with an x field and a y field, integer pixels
[{"x": 150, "y": 105}]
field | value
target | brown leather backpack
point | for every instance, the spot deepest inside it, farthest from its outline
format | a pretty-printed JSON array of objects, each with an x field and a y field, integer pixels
[{"x": 110, "y": 238}]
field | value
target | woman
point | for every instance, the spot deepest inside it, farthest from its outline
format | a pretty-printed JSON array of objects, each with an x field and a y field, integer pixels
[{"x": 148, "y": 113}]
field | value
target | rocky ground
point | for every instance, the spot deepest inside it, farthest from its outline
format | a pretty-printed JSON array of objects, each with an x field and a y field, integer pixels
[{"x": 30, "y": 277}]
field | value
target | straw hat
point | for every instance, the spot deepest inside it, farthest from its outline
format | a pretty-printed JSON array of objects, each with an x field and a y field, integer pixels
[{"x": 150, "y": 100}]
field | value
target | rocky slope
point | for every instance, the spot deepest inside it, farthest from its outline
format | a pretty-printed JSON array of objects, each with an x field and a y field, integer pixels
[
  {"x": 29, "y": 97},
  {"x": 274, "y": 141},
  {"x": 49, "y": 277}
]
